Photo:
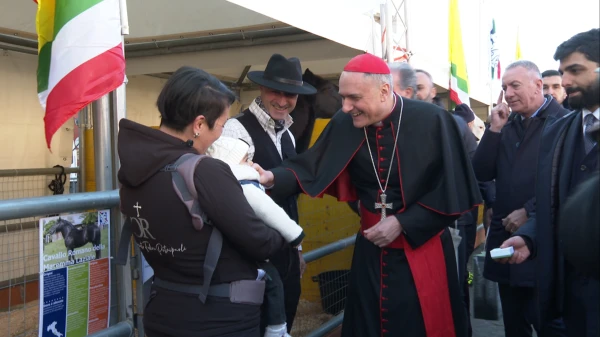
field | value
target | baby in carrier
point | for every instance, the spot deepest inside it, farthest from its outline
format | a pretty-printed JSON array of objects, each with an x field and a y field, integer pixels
[{"x": 234, "y": 152}]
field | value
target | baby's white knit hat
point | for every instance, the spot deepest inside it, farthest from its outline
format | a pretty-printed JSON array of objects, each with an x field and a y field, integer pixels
[{"x": 230, "y": 150}]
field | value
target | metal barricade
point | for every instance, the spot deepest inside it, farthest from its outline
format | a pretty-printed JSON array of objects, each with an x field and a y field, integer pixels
[
  {"x": 19, "y": 267},
  {"x": 19, "y": 246},
  {"x": 27, "y": 198},
  {"x": 330, "y": 227}
]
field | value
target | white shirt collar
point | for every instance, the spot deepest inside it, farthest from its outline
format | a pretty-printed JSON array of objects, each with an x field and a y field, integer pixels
[
  {"x": 587, "y": 112},
  {"x": 264, "y": 118}
]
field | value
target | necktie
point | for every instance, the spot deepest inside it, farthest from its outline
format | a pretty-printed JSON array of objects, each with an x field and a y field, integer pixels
[
  {"x": 588, "y": 141},
  {"x": 287, "y": 147},
  {"x": 526, "y": 121}
]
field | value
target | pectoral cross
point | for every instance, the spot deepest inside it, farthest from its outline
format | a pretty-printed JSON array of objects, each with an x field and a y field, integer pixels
[
  {"x": 383, "y": 206},
  {"x": 137, "y": 208}
]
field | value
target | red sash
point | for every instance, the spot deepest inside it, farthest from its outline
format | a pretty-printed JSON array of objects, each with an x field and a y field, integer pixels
[{"x": 428, "y": 269}]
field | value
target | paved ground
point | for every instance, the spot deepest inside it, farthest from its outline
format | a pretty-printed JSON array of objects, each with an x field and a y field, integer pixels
[{"x": 483, "y": 328}]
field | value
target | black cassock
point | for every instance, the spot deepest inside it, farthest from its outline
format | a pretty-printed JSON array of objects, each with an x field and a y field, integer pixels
[{"x": 409, "y": 288}]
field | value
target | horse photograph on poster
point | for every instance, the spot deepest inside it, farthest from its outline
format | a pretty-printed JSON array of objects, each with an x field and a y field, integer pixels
[{"x": 72, "y": 239}]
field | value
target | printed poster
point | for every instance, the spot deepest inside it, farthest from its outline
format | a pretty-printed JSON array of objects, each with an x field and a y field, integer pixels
[{"x": 74, "y": 274}]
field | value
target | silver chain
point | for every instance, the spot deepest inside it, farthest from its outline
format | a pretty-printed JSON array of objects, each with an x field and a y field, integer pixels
[{"x": 393, "y": 151}]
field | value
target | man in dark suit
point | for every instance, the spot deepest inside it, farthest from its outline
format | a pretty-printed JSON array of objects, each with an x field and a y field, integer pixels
[
  {"x": 567, "y": 158},
  {"x": 579, "y": 224},
  {"x": 508, "y": 153}
]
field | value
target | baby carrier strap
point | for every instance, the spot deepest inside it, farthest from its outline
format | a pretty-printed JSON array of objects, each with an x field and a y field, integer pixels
[{"x": 182, "y": 173}]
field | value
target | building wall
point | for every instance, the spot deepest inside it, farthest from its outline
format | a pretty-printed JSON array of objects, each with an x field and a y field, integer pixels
[{"x": 22, "y": 140}]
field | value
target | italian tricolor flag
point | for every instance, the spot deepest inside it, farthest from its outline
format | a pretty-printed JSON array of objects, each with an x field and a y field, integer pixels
[
  {"x": 80, "y": 56},
  {"x": 459, "y": 81}
]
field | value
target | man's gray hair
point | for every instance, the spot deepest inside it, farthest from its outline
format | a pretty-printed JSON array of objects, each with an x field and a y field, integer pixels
[
  {"x": 426, "y": 74},
  {"x": 530, "y": 66},
  {"x": 382, "y": 79},
  {"x": 408, "y": 76}
]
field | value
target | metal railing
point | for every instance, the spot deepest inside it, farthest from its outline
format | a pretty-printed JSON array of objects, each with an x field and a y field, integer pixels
[
  {"x": 40, "y": 206},
  {"x": 331, "y": 248},
  {"x": 37, "y": 171},
  {"x": 121, "y": 329},
  {"x": 327, "y": 327},
  {"x": 319, "y": 253},
  {"x": 19, "y": 245},
  {"x": 27, "y": 207},
  {"x": 37, "y": 182}
]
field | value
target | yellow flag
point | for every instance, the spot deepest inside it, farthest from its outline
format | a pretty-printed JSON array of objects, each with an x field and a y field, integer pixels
[
  {"x": 518, "y": 51},
  {"x": 459, "y": 81}
]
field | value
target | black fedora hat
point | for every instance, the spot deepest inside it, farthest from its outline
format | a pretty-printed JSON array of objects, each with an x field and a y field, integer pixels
[{"x": 282, "y": 74}]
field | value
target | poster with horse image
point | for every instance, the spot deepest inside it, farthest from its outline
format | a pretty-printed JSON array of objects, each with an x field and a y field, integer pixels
[{"x": 75, "y": 274}]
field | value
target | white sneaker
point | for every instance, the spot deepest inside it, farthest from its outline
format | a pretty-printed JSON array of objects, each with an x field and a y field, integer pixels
[{"x": 279, "y": 330}]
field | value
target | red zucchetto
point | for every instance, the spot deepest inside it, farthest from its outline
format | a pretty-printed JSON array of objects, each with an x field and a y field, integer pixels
[{"x": 367, "y": 63}]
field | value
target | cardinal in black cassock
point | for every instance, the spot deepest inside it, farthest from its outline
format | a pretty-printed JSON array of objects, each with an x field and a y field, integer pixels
[{"x": 404, "y": 162}]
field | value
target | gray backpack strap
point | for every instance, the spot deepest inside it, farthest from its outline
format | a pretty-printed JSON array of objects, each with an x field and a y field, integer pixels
[
  {"x": 182, "y": 172},
  {"x": 215, "y": 243}
]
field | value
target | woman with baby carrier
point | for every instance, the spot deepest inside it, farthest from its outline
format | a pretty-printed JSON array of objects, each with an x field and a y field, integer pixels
[{"x": 188, "y": 215}]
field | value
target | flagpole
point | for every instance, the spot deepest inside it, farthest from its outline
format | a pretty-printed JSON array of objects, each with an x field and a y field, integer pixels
[
  {"x": 373, "y": 35},
  {"x": 407, "y": 29},
  {"x": 389, "y": 40},
  {"x": 383, "y": 24},
  {"x": 118, "y": 111},
  {"x": 124, "y": 18}
]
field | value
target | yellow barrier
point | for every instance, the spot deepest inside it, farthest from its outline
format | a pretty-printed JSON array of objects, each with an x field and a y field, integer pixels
[
  {"x": 324, "y": 221},
  {"x": 88, "y": 158}
]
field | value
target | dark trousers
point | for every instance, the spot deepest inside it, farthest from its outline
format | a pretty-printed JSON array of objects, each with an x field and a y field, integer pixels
[
  {"x": 465, "y": 250},
  {"x": 253, "y": 332},
  {"x": 518, "y": 309},
  {"x": 471, "y": 230},
  {"x": 287, "y": 263},
  {"x": 582, "y": 307},
  {"x": 274, "y": 302}
]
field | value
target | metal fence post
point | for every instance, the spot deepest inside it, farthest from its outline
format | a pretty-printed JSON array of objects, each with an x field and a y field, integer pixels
[
  {"x": 83, "y": 125},
  {"x": 105, "y": 180},
  {"x": 121, "y": 329},
  {"x": 124, "y": 273},
  {"x": 103, "y": 144}
]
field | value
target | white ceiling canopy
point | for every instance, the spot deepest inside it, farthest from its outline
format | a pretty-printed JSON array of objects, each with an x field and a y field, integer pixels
[
  {"x": 212, "y": 34},
  {"x": 150, "y": 18},
  {"x": 342, "y": 21},
  {"x": 156, "y": 21}
]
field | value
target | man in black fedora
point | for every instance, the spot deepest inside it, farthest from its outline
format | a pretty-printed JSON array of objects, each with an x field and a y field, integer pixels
[{"x": 265, "y": 127}]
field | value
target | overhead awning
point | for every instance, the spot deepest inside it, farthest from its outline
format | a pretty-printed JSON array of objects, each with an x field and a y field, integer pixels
[{"x": 346, "y": 22}]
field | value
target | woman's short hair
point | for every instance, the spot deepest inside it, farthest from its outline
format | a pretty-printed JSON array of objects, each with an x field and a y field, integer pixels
[{"x": 189, "y": 93}]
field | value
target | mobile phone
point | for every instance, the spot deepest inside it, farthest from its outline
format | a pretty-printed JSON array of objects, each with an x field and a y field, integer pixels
[{"x": 501, "y": 253}]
